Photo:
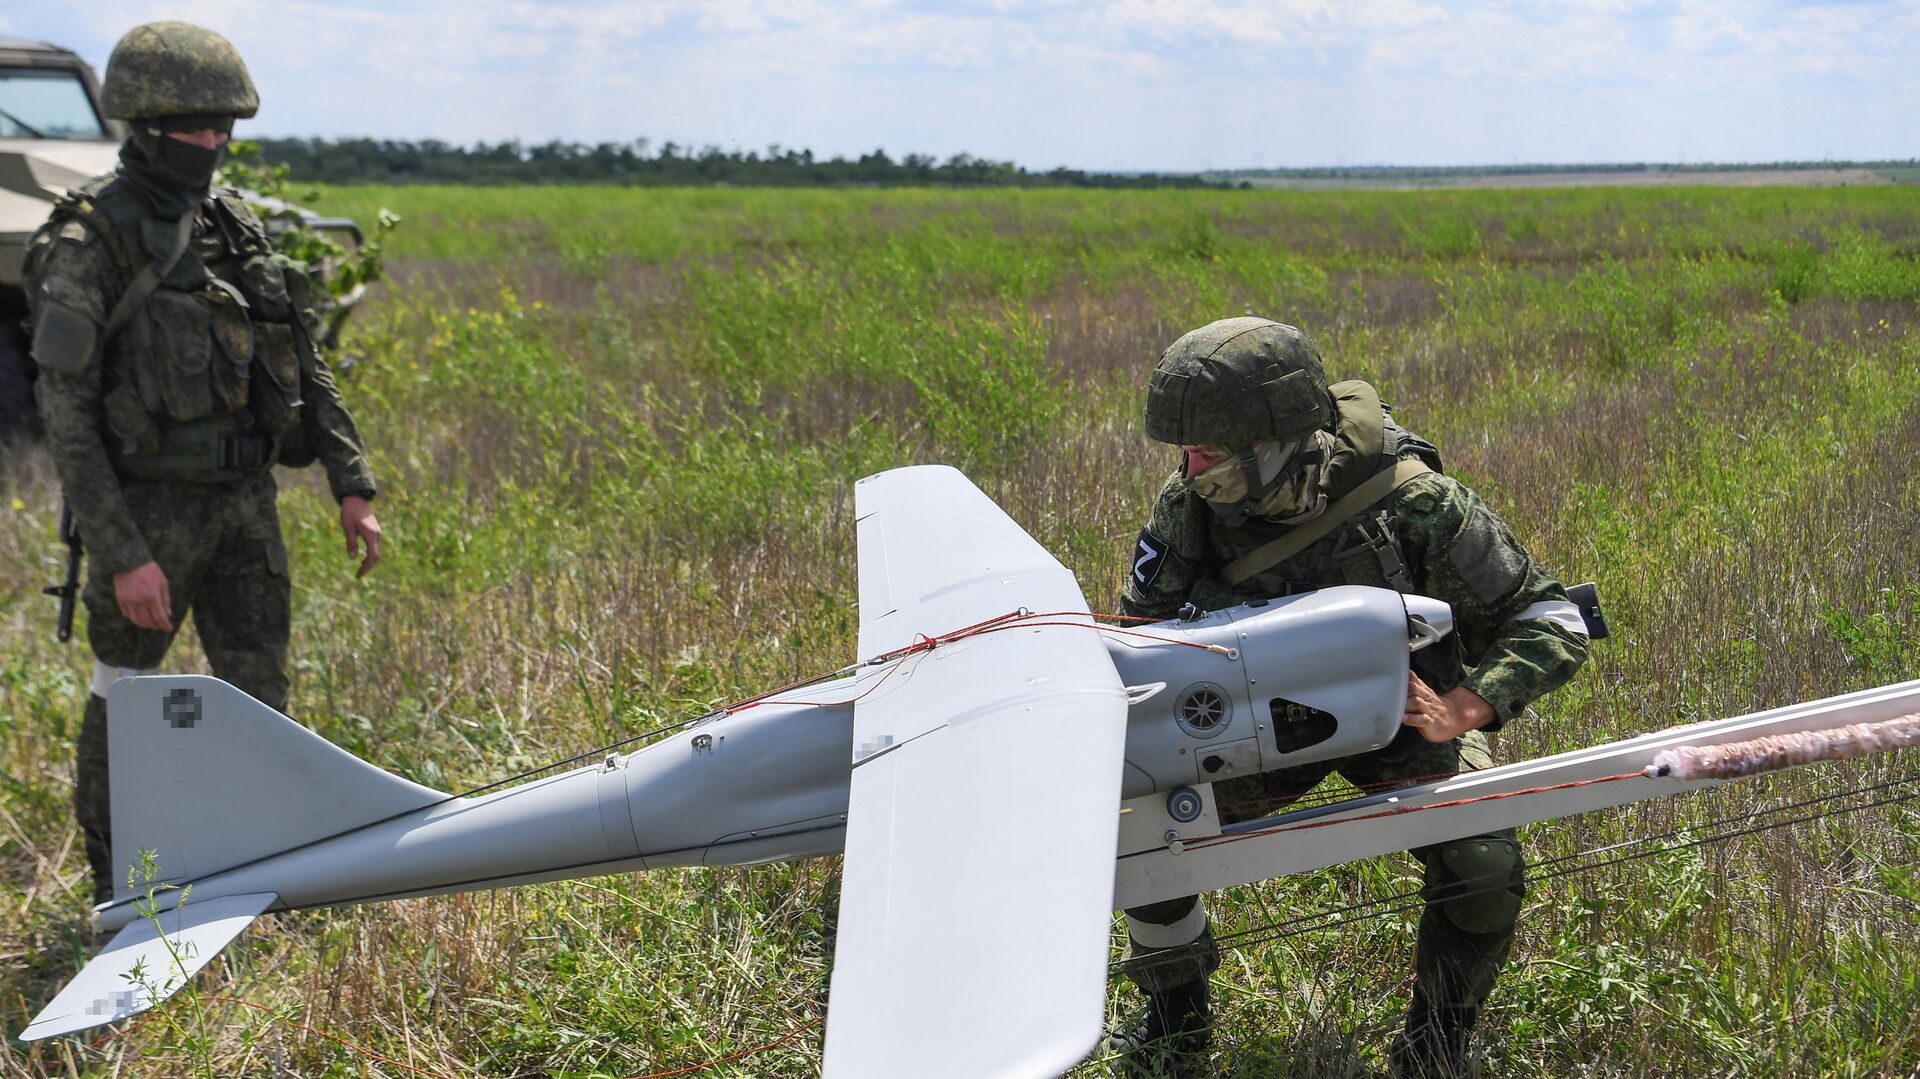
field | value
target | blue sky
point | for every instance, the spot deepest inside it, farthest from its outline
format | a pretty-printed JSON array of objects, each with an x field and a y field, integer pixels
[{"x": 1098, "y": 84}]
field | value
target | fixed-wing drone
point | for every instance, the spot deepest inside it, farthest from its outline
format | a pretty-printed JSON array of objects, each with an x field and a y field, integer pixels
[{"x": 1001, "y": 774}]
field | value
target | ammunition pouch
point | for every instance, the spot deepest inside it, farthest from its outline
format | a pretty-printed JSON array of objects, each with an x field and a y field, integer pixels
[
  {"x": 276, "y": 398},
  {"x": 279, "y": 340}
]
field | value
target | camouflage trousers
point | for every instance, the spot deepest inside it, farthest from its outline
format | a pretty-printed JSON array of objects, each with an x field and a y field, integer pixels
[
  {"x": 1472, "y": 889},
  {"x": 220, "y": 547}
]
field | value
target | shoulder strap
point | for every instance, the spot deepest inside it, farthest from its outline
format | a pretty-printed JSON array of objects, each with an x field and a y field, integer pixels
[
  {"x": 113, "y": 210},
  {"x": 76, "y": 206},
  {"x": 148, "y": 279},
  {"x": 1271, "y": 554}
]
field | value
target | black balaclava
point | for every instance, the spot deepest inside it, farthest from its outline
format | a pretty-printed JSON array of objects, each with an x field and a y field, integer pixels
[{"x": 174, "y": 176}]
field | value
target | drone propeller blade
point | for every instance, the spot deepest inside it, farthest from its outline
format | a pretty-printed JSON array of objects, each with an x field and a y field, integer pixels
[{"x": 977, "y": 899}]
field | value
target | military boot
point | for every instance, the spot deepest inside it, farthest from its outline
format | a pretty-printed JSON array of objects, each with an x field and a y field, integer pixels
[
  {"x": 1171, "y": 1039},
  {"x": 91, "y": 803},
  {"x": 1434, "y": 1043}
]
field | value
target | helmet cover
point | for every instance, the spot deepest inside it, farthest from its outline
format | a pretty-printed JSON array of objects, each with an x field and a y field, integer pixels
[
  {"x": 1235, "y": 382},
  {"x": 175, "y": 68}
]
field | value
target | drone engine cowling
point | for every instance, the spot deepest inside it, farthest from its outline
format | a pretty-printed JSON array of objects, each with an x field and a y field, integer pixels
[{"x": 1274, "y": 683}]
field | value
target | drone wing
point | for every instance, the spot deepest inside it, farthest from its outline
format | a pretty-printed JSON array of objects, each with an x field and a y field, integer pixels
[{"x": 983, "y": 816}]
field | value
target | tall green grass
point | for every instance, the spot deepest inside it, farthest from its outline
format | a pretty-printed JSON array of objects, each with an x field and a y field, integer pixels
[{"x": 617, "y": 433}]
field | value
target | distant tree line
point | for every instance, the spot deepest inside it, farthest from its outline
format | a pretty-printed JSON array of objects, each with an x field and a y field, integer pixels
[
  {"x": 1444, "y": 172},
  {"x": 431, "y": 161}
]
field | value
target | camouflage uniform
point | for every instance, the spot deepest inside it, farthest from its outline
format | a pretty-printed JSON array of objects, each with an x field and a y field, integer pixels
[
  {"x": 165, "y": 432},
  {"x": 1516, "y": 638}
]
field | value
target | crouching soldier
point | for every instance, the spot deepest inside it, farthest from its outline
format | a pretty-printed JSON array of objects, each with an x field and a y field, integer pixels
[{"x": 1287, "y": 484}]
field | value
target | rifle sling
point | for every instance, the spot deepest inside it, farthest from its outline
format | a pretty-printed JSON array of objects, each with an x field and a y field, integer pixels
[
  {"x": 1270, "y": 554},
  {"x": 148, "y": 279}
]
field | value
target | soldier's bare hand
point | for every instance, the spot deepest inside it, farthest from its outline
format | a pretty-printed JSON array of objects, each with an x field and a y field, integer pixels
[
  {"x": 356, "y": 521},
  {"x": 1444, "y": 717},
  {"x": 144, "y": 597}
]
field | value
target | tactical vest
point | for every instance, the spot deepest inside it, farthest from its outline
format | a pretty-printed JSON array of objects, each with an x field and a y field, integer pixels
[
  {"x": 1364, "y": 549},
  {"x": 201, "y": 375}
]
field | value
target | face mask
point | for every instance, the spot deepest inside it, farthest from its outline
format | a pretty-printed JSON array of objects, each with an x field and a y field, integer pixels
[
  {"x": 1278, "y": 482},
  {"x": 168, "y": 162},
  {"x": 1241, "y": 474},
  {"x": 185, "y": 164}
]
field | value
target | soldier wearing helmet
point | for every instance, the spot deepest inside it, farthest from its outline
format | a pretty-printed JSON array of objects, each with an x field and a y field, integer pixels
[
  {"x": 177, "y": 365},
  {"x": 1288, "y": 484}
]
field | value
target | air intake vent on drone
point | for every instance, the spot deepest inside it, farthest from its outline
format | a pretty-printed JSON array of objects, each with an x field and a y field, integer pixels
[{"x": 1204, "y": 711}]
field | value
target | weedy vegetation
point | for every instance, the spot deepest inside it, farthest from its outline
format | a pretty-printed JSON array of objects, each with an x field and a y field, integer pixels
[{"x": 617, "y": 432}]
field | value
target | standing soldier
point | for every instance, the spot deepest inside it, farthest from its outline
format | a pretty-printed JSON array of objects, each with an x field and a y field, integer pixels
[
  {"x": 1286, "y": 485},
  {"x": 177, "y": 365}
]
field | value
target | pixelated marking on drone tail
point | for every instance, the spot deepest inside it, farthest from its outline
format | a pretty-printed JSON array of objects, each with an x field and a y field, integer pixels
[
  {"x": 182, "y": 708},
  {"x": 118, "y": 1003}
]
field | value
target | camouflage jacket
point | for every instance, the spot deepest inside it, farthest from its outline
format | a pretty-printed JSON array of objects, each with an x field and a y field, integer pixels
[
  {"x": 1516, "y": 634},
  {"x": 221, "y": 351}
]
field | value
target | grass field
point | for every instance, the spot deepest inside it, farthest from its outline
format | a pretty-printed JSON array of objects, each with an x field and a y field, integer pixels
[
  {"x": 1389, "y": 179},
  {"x": 617, "y": 433}
]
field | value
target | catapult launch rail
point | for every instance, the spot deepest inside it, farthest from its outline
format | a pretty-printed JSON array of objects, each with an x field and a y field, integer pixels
[{"x": 1161, "y": 858}]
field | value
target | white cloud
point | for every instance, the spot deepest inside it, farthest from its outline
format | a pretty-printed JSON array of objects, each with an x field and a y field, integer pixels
[
  {"x": 1097, "y": 83},
  {"x": 1286, "y": 23}
]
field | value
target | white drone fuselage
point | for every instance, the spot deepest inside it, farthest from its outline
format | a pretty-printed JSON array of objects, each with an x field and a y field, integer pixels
[{"x": 1268, "y": 685}]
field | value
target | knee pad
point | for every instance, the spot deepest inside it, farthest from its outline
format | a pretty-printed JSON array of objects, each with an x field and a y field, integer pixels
[{"x": 1485, "y": 879}]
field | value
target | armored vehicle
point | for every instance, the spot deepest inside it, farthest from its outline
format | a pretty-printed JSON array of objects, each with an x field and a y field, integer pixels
[{"x": 54, "y": 136}]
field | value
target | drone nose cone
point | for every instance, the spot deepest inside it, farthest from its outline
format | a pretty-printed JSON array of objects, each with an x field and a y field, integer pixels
[{"x": 1428, "y": 620}]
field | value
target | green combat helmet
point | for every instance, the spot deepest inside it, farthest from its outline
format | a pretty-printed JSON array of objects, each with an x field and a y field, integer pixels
[
  {"x": 176, "y": 69},
  {"x": 1253, "y": 389},
  {"x": 1237, "y": 381}
]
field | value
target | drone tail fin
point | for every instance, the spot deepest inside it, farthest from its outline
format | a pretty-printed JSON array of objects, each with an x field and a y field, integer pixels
[{"x": 206, "y": 778}]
